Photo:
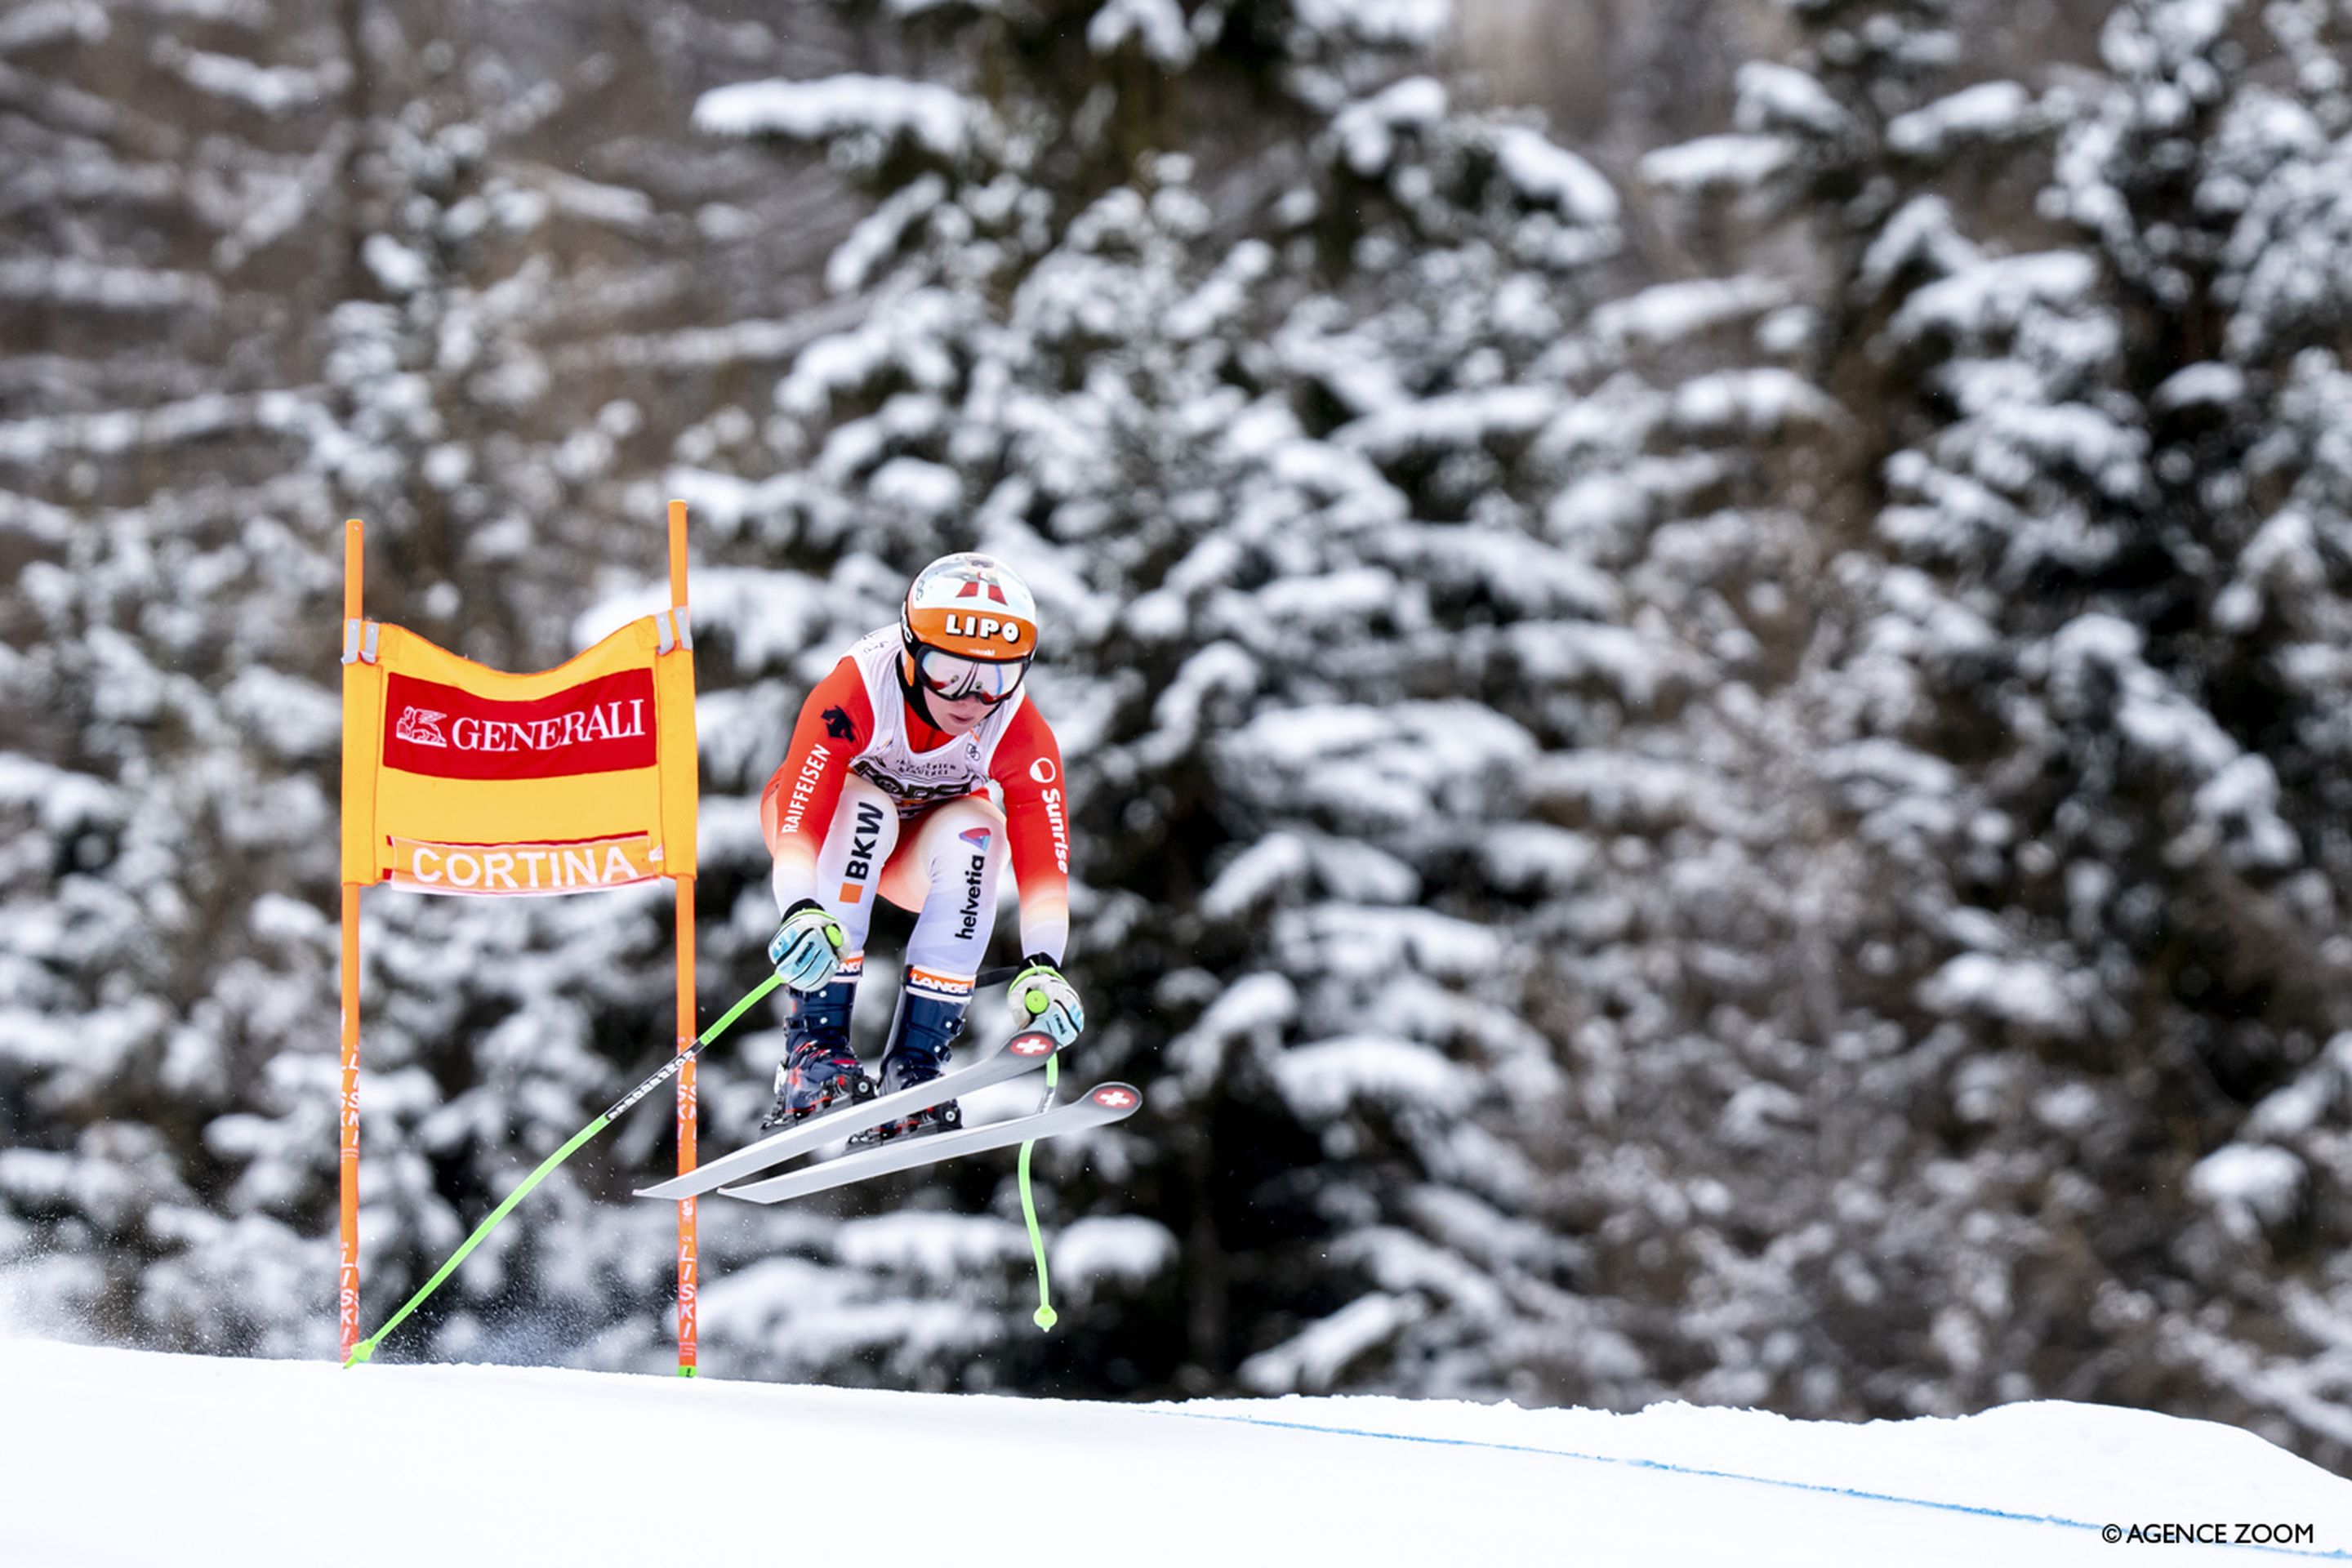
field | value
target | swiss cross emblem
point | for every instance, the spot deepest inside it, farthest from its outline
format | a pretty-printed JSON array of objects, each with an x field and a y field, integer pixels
[
  {"x": 1114, "y": 1098},
  {"x": 1031, "y": 1044}
]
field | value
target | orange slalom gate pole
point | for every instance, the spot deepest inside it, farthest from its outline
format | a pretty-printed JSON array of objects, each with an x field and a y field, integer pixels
[
  {"x": 689, "y": 1109},
  {"x": 689, "y": 1265},
  {"x": 348, "y": 1276},
  {"x": 348, "y": 1290}
]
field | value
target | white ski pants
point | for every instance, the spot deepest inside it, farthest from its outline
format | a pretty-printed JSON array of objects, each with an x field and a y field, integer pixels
[{"x": 942, "y": 864}]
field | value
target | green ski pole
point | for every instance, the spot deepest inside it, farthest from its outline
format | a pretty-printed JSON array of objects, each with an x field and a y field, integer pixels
[
  {"x": 1045, "y": 1317},
  {"x": 365, "y": 1348}
]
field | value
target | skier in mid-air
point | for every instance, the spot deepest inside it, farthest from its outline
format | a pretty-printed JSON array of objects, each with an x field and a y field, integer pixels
[{"x": 883, "y": 793}]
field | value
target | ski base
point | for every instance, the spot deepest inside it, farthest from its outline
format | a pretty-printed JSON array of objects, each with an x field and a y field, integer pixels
[
  {"x": 1018, "y": 1055},
  {"x": 1099, "y": 1107}
]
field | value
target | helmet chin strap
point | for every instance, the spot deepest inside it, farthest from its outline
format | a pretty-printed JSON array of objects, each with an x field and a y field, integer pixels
[{"x": 917, "y": 698}]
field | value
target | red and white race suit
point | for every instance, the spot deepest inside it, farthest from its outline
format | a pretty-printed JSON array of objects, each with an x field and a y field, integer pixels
[{"x": 871, "y": 801}]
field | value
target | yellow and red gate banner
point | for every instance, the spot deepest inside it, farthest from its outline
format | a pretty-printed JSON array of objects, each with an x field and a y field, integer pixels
[
  {"x": 458, "y": 778},
  {"x": 462, "y": 779}
]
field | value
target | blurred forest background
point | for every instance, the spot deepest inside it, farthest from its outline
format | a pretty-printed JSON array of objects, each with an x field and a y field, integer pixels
[{"x": 1704, "y": 647}]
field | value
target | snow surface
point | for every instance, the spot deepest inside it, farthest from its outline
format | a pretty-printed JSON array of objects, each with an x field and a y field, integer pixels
[{"x": 255, "y": 1463}]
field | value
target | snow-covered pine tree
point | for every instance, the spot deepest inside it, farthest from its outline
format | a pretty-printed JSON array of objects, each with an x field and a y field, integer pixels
[
  {"x": 2205, "y": 186},
  {"x": 281, "y": 264},
  {"x": 171, "y": 724},
  {"x": 2066, "y": 726},
  {"x": 1689, "y": 893},
  {"x": 1911, "y": 1253}
]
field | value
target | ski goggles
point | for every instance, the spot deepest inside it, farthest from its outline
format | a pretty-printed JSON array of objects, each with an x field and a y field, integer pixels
[{"x": 955, "y": 679}]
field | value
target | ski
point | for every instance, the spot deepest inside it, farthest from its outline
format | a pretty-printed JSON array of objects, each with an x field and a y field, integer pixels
[
  {"x": 1018, "y": 1055},
  {"x": 1099, "y": 1107}
]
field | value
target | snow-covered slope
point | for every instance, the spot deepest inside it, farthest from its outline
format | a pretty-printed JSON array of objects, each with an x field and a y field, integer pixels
[{"x": 117, "y": 1458}]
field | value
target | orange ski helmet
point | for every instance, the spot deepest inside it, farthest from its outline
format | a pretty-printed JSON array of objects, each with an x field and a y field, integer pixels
[{"x": 969, "y": 628}]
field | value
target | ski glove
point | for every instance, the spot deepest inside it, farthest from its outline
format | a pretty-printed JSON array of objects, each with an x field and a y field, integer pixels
[
  {"x": 807, "y": 946},
  {"x": 1042, "y": 999}
]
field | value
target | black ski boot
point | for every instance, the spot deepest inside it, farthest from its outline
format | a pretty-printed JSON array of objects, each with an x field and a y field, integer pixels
[
  {"x": 819, "y": 1070},
  {"x": 922, "y": 1038}
]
